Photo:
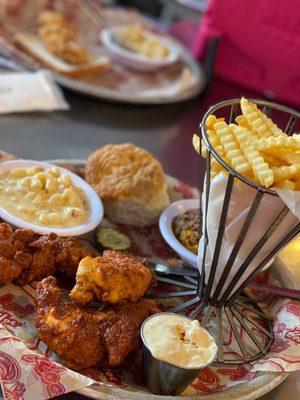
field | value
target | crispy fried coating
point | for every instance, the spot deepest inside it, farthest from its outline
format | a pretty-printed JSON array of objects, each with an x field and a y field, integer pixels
[
  {"x": 13, "y": 255},
  {"x": 69, "y": 253},
  {"x": 27, "y": 257},
  {"x": 72, "y": 333},
  {"x": 115, "y": 278},
  {"x": 84, "y": 338},
  {"x": 59, "y": 37},
  {"x": 43, "y": 252},
  {"x": 121, "y": 329}
]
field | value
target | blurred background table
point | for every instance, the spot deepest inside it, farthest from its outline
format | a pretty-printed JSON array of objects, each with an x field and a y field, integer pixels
[{"x": 166, "y": 131}]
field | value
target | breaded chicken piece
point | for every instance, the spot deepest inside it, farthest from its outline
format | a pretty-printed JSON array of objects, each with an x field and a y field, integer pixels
[
  {"x": 59, "y": 37},
  {"x": 69, "y": 253},
  {"x": 114, "y": 278},
  {"x": 13, "y": 255},
  {"x": 84, "y": 338},
  {"x": 71, "y": 332},
  {"x": 121, "y": 328},
  {"x": 26, "y": 256},
  {"x": 43, "y": 252}
]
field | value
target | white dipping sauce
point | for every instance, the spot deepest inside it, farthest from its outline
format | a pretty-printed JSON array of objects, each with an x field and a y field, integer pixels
[{"x": 179, "y": 341}]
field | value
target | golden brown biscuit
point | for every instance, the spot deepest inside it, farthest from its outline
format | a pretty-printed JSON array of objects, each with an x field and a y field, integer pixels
[{"x": 130, "y": 181}]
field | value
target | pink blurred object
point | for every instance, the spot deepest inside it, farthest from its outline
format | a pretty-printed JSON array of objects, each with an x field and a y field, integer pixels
[
  {"x": 259, "y": 44},
  {"x": 185, "y": 31}
]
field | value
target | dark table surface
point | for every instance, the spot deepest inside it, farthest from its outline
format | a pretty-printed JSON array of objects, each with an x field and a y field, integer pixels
[{"x": 166, "y": 131}]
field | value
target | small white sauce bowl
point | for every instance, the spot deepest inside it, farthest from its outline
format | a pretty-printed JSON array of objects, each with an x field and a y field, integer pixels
[
  {"x": 134, "y": 60},
  {"x": 95, "y": 202},
  {"x": 166, "y": 228}
]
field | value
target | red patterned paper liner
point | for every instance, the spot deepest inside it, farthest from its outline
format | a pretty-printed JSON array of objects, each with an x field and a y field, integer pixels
[{"x": 35, "y": 359}]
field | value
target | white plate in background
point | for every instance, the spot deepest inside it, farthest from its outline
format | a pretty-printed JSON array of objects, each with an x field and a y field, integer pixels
[{"x": 134, "y": 60}]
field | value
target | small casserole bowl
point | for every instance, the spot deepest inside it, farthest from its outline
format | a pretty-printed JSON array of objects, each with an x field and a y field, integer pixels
[
  {"x": 134, "y": 60},
  {"x": 166, "y": 228},
  {"x": 96, "y": 206}
]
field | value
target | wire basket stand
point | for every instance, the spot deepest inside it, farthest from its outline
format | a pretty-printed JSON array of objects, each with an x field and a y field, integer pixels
[{"x": 233, "y": 317}]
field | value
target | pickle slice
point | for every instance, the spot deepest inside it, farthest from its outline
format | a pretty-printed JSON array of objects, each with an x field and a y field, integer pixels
[{"x": 108, "y": 238}]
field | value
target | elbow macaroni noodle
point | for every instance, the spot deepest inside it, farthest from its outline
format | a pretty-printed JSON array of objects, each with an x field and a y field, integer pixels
[{"x": 43, "y": 197}]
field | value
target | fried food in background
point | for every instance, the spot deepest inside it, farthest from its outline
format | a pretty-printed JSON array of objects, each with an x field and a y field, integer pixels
[
  {"x": 255, "y": 147},
  {"x": 59, "y": 36},
  {"x": 26, "y": 256},
  {"x": 134, "y": 38},
  {"x": 130, "y": 182},
  {"x": 115, "y": 278},
  {"x": 84, "y": 338}
]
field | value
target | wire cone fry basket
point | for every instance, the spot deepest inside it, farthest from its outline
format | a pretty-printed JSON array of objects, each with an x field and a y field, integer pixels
[{"x": 242, "y": 331}]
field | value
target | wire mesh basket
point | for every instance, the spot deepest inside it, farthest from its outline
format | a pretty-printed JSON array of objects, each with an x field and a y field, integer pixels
[{"x": 242, "y": 331}]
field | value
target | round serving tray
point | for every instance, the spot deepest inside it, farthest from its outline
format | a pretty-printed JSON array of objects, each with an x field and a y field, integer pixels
[
  {"x": 261, "y": 384},
  {"x": 257, "y": 387},
  {"x": 163, "y": 95},
  {"x": 177, "y": 82}
]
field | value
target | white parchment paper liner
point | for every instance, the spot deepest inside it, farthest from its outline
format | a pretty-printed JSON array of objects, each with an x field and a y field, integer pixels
[{"x": 241, "y": 199}]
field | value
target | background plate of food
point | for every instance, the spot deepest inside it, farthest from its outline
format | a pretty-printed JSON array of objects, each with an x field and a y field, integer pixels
[
  {"x": 67, "y": 42},
  {"x": 138, "y": 48}
]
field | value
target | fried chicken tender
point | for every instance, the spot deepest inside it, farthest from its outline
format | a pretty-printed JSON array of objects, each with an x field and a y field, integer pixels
[
  {"x": 13, "y": 255},
  {"x": 69, "y": 253},
  {"x": 72, "y": 333},
  {"x": 115, "y": 278},
  {"x": 85, "y": 338},
  {"x": 49, "y": 16},
  {"x": 120, "y": 327},
  {"x": 27, "y": 257},
  {"x": 43, "y": 251}
]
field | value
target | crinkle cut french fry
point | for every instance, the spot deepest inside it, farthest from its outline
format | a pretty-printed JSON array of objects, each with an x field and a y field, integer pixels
[
  {"x": 286, "y": 172},
  {"x": 197, "y": 147},
  {"x": 215, "y": 166},
  {"x": 211, "y": 120},
  {"x": 297, "y": 185},
  {"x": 258, "y": 121},
  {"x": 203, "y": 149},
  {"x": 278, "y": 143},
  {"x": 272, "y": 160},
  {"x": 260, "y": 168},
  {"x": 214, "y": 140},
  {"x": 241, "y": 120},
  {"x": 285, "y": 156},
  {"x": 287, "y": 184},
  {"x": 256, "y": 148},
  {"x": 196, "y": 143},
  {"x": 231, "y": 148}
]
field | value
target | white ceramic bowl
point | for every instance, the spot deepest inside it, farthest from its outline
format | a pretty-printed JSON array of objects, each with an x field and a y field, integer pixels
[
  {"x": 95, "y": 202},
  {"x": 137, "y": 61},
  {"x": 165, "y": 225}
]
